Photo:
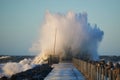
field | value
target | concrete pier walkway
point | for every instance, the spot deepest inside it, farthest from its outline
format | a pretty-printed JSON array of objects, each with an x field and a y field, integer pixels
[{"x": 64, "y": 71}]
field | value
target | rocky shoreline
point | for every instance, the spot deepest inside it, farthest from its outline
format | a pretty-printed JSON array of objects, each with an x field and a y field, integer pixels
[{"x": 37, "y": 73}]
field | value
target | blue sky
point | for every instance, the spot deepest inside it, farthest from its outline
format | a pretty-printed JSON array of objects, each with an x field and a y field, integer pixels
[{"x": 20, "y": 21}]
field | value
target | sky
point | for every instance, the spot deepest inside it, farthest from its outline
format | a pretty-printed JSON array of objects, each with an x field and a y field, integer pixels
[{"x": 20, "y": 21}]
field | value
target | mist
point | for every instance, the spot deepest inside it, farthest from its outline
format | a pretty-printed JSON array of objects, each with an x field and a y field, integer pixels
[{"x": 70, "y": 34}]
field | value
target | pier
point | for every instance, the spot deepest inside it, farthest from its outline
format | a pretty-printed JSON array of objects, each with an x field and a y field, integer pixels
[
  {"x": 80, "y": 69},
  {"x": 64, "y": 71}
]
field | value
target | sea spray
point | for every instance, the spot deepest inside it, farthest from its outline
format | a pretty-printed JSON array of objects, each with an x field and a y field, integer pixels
[
  {"x": 11, "y": 68},
  {"x": 74, "y": 33}
]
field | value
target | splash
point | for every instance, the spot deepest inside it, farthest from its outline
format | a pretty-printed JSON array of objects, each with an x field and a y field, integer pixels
[
  {"x": 74, "y": 36},
  {"x": 11, "y": 68}
]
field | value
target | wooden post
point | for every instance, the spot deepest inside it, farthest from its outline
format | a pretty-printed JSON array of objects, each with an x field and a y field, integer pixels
[
  {"x": 98, "y": 68},
  {"x": 110, "y": 69},
  {"x": 110, "y": 74},
  {"x": 95, "y": 71},
  {"x": 80, "y": 65},
  {"x": 116, "y": 72},
  {"x": 89, "y": 70},
  {"x": 106, "y": 73},
  {"x": 92, "y": 71}
]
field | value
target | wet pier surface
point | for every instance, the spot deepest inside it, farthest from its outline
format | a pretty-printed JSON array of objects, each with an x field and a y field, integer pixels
[{"x": 64, "y": 71}]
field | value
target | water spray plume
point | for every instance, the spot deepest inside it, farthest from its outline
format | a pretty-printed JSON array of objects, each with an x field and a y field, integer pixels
[
  {"x": 11, "y": 68},
  {"x": 73, "y": 33}
]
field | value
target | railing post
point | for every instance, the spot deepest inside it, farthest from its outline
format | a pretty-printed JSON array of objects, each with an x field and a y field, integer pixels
[
  {"x": 110, "y": 69},
  {"x": 103, "y": 70},
  {"x": 110, "y": 74},
  {"x": 116, "y": 72},
  {"x": 92, "y": 71},
  {"x": 86, "y": 67},
  {"x": 106, "y": 73},
  {"x": 89, "y": 70},
  {"x": 98, "y": 71},
  {"x": 95, "y": 72}
]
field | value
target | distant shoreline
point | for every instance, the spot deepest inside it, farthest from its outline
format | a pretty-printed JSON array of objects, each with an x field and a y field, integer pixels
[{"x": 17, "y": 58}]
